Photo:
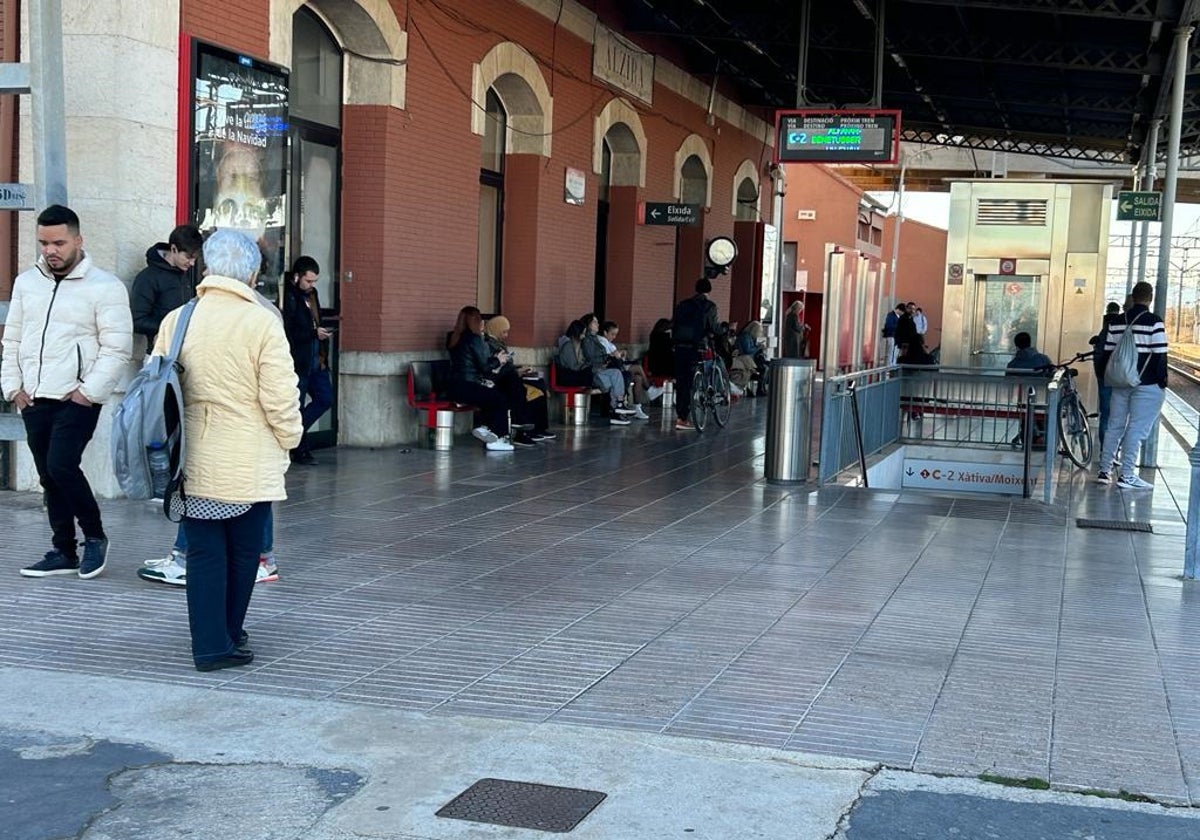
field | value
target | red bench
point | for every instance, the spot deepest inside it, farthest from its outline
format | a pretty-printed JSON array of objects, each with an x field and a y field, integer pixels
[
  {"x": 577, "y": 399},
  {"x": 426, "y": 387}
]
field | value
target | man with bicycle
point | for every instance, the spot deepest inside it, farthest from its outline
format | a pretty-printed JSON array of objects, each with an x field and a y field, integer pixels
[{"x": 695, "y": 321}]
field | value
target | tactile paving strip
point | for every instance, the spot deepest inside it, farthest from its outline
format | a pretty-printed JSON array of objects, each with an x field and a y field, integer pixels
[
  {"x": 522, "y": 805},
  {"x": 1115, "y": 525}
]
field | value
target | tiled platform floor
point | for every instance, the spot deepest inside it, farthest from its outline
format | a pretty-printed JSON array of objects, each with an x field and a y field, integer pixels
[{"x": 643, "y": 579}]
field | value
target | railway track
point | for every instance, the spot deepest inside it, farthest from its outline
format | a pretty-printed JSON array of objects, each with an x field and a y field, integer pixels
[{"x": 1185, "y": 377}]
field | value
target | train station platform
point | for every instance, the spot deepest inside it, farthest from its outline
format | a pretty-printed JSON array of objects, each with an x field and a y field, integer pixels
[{"x": 641, "y": 599}]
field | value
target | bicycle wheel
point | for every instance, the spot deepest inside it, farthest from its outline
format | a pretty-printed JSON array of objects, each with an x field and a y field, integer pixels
[
  {"x": 700, "y": 400},
  {"x": 722, "y": 400},
  {"x": 1074, "y": 432}
]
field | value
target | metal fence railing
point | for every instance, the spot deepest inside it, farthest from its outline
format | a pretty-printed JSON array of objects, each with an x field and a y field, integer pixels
[
  {"x": 878, "y": 394},
  {"x": 957, "y": 407},
  {"x": 938, "y": 407}
]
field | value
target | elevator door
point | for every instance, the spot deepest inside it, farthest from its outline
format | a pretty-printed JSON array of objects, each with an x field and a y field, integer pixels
[{"x": 1005, "y": 305}]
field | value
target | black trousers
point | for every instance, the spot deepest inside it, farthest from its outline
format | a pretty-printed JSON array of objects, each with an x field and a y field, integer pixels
[
  {"x": 685, "y": 363},
  {"x": 492, "y": 403},
  {"x": 58, "y": 431}
]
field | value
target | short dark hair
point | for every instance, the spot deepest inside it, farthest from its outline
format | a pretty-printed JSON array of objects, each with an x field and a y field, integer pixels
[
  {"x": 1142, "y": 292},
  {"x": 899, "y": 307},
  {"x": 303, "y": 265},
  {"x": 1113, "y": 308},
  {"x": 609, "y": 325},
  {"x": 703, "y": 286},
  {"x": 1023, "y": 341},
  {"x": 56, "y": 214},
  {"x": 186, "y": 238}
]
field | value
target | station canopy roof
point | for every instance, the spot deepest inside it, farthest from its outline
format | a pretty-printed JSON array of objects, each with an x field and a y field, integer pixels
[{"x": 1059, "y": 78}]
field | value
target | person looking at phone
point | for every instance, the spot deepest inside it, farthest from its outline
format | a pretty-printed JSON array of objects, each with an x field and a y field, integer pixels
[{"x": 305, "y": 334}]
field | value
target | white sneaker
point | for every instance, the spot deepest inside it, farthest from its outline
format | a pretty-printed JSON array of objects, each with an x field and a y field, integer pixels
[
  {"x": 654, "y": 392},
  {"x": 639, "y": 413},
  {"x": 485, "y": 434},
  {"x": 1133, "y": 482},
  {"x": 500, "y": 444},
  {"x": 736, "y": 390},
  {"x": 165, "y": 570},
  {"x": 622, "y": 409}
]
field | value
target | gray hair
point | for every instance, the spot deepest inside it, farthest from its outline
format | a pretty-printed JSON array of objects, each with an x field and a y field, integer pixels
[{"x": 229, "y": 253}]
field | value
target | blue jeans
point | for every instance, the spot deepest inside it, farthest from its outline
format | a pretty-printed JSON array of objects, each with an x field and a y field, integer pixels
[
  {"x": 222, "y": 567},
  {"x": 1105, "y": 402},
  {"x": 181, "y": 542},
  {"x": 1131, "y": 415},
  {"x": 319, "y": 391},
  {"x": 611, "y": 380}
]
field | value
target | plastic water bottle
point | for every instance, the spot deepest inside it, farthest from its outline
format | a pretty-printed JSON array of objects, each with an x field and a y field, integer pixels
[{"x": 160, "y": 467}]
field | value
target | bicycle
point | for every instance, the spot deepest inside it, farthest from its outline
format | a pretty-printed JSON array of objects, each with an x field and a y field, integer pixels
[
  {"x": 710, "y": 391},
  {"x": 1074, "y": 431}
]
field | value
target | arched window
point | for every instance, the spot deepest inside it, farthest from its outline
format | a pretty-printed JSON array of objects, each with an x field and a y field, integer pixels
[
  {"x": 491, "y": 204},
  {"x": 747, "y": 201}
]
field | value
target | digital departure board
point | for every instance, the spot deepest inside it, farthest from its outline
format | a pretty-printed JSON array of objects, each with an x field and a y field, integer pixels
[{"x": 837, "y": 136}]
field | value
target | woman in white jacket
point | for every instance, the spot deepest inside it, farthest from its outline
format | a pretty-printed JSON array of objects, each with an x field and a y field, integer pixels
[{"x": 241, "y": 419}]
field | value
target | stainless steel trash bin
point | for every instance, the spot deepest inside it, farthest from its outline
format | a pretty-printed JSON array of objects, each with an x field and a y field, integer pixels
[
  {"x": 789, "y": 419},
  {"x": 443, "y": 433}
]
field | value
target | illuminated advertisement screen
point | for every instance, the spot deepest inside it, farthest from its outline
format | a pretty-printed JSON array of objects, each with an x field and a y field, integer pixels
[
  {"x": 239, "y": 152},
  {"x": 837, "y": 136}
]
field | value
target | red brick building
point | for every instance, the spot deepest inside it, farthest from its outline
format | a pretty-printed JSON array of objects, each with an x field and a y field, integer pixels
[{"x": 431, "y": 154}]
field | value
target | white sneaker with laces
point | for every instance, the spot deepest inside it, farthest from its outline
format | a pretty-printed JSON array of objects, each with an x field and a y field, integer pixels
[
  {"x": 1133, "y": 482},
  {"x": 166, "y": 570},
  {"x": 500, "y": 444},
  {"x": 654, "y": 392},
  {"x": 485, "y": 434},
  {"x": 735, "y": 390},
  {"x": 639, "y": 413}
]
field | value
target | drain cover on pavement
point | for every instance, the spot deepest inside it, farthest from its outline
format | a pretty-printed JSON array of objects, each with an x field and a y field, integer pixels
[
  {"x": 1115, "y": 525},
  {"x": 522, "y": 805}
]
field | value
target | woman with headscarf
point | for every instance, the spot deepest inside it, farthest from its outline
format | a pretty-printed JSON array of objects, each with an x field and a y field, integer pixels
[
  {"x": 241, "y": 420},
  {"x": 525, "y": 389}
]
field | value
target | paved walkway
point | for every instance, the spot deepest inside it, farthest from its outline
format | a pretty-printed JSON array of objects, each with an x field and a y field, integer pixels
[{"x": 640, "y": 579}]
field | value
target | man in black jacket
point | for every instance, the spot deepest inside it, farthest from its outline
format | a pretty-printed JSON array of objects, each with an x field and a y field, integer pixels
[
  {"x": 694, "y": 324},
  {"x": 166, "y": 282},
  {"x": 302, "y": 323}
]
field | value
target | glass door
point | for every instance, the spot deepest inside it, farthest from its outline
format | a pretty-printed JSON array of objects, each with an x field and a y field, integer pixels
[
  {"x": 1005, "y": 304},
  {"x": 316, "y": 186}
]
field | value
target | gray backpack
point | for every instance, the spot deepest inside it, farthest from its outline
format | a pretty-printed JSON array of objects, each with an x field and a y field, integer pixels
[
  {"x": 147, "y": 430},
  {"x": 1122, "y": 369}
]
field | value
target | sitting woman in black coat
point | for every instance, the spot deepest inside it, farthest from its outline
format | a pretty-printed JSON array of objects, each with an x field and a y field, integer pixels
[
  {"x": 660, "y": 355},
  {"x": 472, "y": 372}
]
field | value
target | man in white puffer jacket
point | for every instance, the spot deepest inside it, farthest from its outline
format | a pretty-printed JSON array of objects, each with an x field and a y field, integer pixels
[{"x": 67, "y": 338}]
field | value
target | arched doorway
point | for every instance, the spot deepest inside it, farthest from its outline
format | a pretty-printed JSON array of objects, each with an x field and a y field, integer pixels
[
  {"x": 315, "y": 121},
  {"x": 620, "y": 151},
  {"x": 689, "y": 240},
  {"x": 489, "y": 268}
]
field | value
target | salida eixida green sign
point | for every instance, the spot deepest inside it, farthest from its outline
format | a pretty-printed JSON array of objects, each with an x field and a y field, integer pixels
[{"x": 1139, "y": 206}]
